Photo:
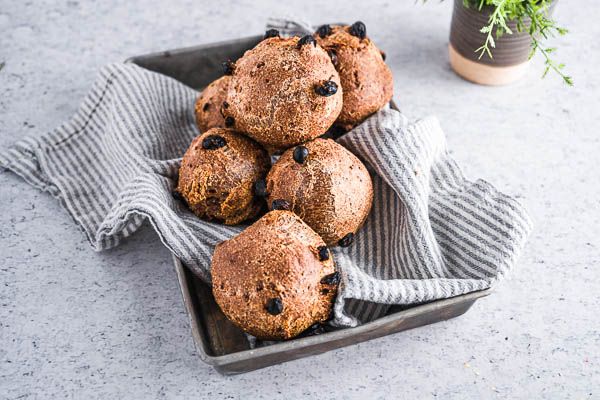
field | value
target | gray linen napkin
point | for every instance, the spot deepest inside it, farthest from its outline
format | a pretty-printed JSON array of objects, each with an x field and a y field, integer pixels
[{"x": 431, "y": 234}]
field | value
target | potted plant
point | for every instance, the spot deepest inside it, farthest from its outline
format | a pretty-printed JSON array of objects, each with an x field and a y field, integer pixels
[{"x": 492, "y": 41}]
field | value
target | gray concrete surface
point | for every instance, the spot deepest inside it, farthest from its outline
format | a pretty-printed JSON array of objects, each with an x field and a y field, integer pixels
[{"x": 79, "y": 324}]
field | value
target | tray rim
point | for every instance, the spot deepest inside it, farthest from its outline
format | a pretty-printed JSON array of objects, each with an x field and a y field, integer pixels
[
  {"x": 299, "y": 343},
  {"x": 190, "y": 49}
]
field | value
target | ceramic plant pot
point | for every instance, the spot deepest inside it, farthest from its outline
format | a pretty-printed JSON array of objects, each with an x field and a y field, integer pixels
[{"x": 510, "y": 57}]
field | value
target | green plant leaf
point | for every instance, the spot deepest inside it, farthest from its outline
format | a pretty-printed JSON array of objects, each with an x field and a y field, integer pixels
[{"x": 541, "y": 27}]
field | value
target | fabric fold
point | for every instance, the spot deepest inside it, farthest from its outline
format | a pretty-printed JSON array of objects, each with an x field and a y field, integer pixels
[{"x": 431, "y": 234}]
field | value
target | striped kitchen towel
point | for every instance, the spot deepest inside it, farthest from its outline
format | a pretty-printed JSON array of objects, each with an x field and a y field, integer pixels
[{"x": 431, "y": 234}]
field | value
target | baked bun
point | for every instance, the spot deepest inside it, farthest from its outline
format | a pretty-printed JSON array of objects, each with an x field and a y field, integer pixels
[
  {"x": 218, "y": 173},
  {"x": 284, "y": 92},
  {"x": 366, "y": 79},
  {"x": 326, "y": 186},
  {"x": 276, "y": 278},
  {"x": 209, "y": 105}
]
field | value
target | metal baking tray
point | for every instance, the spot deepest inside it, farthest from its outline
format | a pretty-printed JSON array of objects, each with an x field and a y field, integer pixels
[{"x": 218, "y": 341}]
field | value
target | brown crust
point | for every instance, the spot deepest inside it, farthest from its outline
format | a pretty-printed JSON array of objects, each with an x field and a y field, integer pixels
[
  {"x": 366, "y": 79},
  {"x": 331, "y": 191},
  {"x": 218, "y": 184},
  {"x": 272, "y": 94},
  {"x": 276, "y": 257},
  {"x": 209, "y": 105}
]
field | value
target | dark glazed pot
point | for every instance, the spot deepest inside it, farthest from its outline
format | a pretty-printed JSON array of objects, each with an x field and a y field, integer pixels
[{"x": 510, "y": 57}]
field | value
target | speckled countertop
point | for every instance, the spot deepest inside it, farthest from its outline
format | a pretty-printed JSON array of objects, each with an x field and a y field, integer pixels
[{"x": 79, "y": 324}]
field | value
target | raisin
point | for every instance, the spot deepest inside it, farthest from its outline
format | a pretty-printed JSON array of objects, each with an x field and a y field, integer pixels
[
  {"x": 324, "y": 31},
  {"x": 333, "y": 56},
  {"x": 213, "y": 142},
  {"x": 300, "y": 154},
  {"x": 315, "y": 329},
  {"x": 225, "y": 104},
  {"x": 205, "y": 106},
  {"x": 330, "y": 316},
  {"x": 329, "y": 88},
  {"x": 383, "y": 56},
  {"x": 346, "y": 240},
  {"x": 331, "y": 279},
  {"x": 177, "y": 195},
  {"x": 228, "y": 67},
  {"x": 281, "y": 204},
  {"x": 271, "y": 33},
  {"x": 308, "y": 39},
  {"x": 260, "y": 188},
  {"x": 274, "y": 306},
  {"x": 229, "y": 121},
  {"x": 337, "y": 132},
  {"x": 323, "y": 253},
  {"x": 359, "y": 30}
]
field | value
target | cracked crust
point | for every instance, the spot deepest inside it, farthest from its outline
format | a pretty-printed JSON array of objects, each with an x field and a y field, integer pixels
[
  {"x": 209, "y": 103},
  {"x": 276, "y": 257},
  {"x": 366, "y": 79},
  {"x": 331, "y": 191},
  {"x": 218, "y": 184},
  {"x": 272, "y": 95}
]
